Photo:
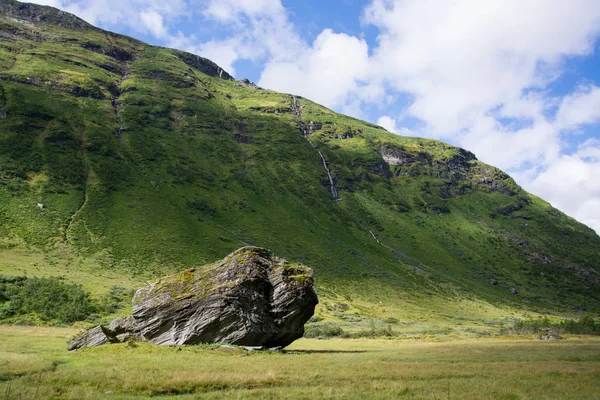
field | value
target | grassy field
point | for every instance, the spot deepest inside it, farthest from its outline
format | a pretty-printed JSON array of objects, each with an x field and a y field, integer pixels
[
  {"x": 35, "y": 364},
  {"x": 122, "y": 162}
]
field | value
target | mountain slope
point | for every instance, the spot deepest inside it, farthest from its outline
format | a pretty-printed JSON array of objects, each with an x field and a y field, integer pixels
[{"x": 141, "y": 160}]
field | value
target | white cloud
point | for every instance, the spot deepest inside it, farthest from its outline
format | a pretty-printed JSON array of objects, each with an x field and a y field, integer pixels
[
  {"x": 51, "y": 3},
  {"x": 508, "y": 150},
  {"x": 571, "y": 184},
  {"x": 154, "y": 22},
  {"x": 590, "y": 150},
  {"x": 327, "y": 72},
  {"x": 581, "y": 107},
  {"x": 259, "y": 30},
  {"x": 388, "y": 123},
  {"x": 231, "y": 10},
  {"x": 460, "y": 59}
]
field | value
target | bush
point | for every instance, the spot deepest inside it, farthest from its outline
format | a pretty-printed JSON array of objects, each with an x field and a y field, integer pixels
[
  {"x": 48, "y": 299},
  {"x": 329, "y": 330},
  {"x": 583, "y": 326},
  {"x": 374, "y": 330},
  {"x": 322, "y": 331}
]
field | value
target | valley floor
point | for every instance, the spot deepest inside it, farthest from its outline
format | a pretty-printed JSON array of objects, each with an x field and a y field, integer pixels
[{"x": 35, "y": 364}]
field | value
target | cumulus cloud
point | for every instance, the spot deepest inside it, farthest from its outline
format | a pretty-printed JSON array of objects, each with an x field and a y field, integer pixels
[
  {"x": 579, "y": 108},
  {"x": 259, "y": 30},
  {"x": 233, "y": 10},
  {"x": 327, "y": 72},
  {"x": 391, "y": 125},
  {"x": 51, "y": 3},
  {"x": 388, "y": 123},
  {"x": 460, "y": 59},
  {"x": 572, "y": 185},
  {"x": 154, "y": 22}
]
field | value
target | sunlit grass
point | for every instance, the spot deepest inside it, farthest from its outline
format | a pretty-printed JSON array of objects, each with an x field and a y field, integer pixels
[
  {"x": 34, "y": 360},
  {"x": 87, "y": 272}
]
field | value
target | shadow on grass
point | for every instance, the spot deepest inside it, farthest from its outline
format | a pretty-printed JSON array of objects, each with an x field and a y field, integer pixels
[{"x": 324, "y": 351}]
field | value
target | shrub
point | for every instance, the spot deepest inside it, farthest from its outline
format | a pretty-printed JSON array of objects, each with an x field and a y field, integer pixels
[
  {"x": 323, "y": 331},
  {"x": 48, "y": 299},
  {"x": 585, "y": 325},
  {"x": 374, "y": 330}
]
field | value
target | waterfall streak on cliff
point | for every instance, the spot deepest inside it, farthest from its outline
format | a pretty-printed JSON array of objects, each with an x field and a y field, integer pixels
[{"x": 305, "y": 133}]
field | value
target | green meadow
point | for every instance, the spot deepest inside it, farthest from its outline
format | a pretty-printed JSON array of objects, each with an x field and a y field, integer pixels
[
  {"x": 122, "y": 162},
  {"x": 35, "y": 364}
]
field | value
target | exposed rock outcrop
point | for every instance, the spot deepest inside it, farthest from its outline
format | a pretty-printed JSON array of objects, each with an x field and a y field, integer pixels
[
  {"x": 36, "y": 13},
  {"x": 203, "y": 65},
  {"x": 96, "y": 336},
  {"x": 250, "y": 298}
]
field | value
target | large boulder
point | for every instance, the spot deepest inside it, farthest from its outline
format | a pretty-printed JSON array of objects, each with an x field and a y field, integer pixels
[{"x": 250, "y": 298}]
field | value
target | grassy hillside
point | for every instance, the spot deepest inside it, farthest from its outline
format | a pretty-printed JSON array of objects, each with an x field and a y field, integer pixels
[{"x": 121, "y": 161}]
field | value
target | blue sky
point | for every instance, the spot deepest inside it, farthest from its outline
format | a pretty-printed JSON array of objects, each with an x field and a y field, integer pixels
[{"x": 515, "y": 81}]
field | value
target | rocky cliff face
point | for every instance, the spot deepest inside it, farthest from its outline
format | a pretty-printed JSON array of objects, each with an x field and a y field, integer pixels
[
  {"x": 250, "y": 298},
  {"x": 30, "y": 15},
  {"x": 35, "y": 13}
]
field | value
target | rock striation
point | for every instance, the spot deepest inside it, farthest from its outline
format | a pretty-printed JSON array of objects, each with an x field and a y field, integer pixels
[
  {"x": 96, "y": 336},
  {"x": 250, "y": 298}
]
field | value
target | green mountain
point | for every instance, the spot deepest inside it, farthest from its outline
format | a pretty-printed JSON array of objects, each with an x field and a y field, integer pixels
[{"x": 121, "y": 161}]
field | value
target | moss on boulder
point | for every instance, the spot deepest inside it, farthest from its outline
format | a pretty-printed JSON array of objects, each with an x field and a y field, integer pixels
[{"x": 250, "y": 298}]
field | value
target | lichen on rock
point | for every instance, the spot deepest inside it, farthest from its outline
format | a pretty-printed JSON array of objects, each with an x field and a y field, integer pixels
[{"x": 250, "y": 298}]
